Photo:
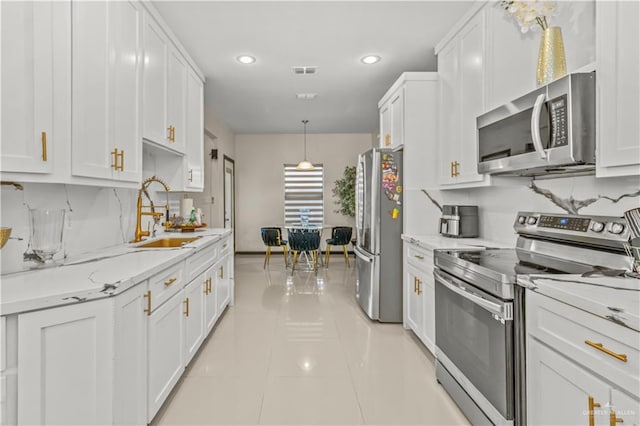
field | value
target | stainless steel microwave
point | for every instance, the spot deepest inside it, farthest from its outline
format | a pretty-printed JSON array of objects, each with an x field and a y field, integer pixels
[{"x": 548, "y": 131}]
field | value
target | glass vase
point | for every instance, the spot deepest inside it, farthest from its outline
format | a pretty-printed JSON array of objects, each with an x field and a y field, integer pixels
[{"x": 551, "y": 58}]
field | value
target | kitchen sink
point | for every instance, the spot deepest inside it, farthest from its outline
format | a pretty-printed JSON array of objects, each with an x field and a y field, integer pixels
[{"x": 168, "y": 242}]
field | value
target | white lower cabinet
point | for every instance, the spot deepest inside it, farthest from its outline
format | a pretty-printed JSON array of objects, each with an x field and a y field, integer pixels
[
  {"x": 194, "y": 332},
  {"x": 419, "y": 289},
  {"x": 580, "y": 368},
  {"x": 165, "y": 352},
  {"x": 65, "y": 370},
  {"x": 130, "y": 357}
]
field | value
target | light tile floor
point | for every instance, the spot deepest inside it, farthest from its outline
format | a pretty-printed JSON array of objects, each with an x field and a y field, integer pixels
[{"x": 298, "y": 350}]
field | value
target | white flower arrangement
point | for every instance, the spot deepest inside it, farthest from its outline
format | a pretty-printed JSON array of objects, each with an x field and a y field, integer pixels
[{"x": 529, "y": 14}]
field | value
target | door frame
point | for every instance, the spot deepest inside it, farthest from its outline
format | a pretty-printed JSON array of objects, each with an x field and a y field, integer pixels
[{"x": 226, "y": 160}]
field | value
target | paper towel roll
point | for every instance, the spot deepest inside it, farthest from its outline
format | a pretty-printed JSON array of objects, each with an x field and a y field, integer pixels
[{"x": 186, "y": 205}]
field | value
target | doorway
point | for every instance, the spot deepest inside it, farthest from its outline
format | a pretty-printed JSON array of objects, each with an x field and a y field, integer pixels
[{"x": 229, "y": 193}]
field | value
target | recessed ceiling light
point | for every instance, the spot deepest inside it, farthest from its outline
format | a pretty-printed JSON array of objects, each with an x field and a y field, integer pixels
[
  {"x": 246, "y": 59},
  {"x": 370, "y": 59}
]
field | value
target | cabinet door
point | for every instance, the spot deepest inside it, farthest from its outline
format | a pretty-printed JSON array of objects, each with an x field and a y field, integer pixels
[
  {"x": 415, "y": 308},
  {"x": 449, "y": 126},
  {"x": 130, "y": 358},
  {"x": 65, "y": 366},
  {"x": 385, "y": 125},
  {"x": 222, "y": 284},
  {"x": 195, "y": 133},
  {"x": 193, "y": 318},
  {"x": 617, "y": 50},
  {"x": 429, "y": 311},
  {"x": 210, "y": 304},
  {"x": 470, "y": 98},
  {"x": 126, "y": 75},
  {"x": 177, "y": 98},
  {"x": 26, "y": 34},
  {"x": 625, "y": 408},
  {"x": 105, "y": 98},
  {"x": 154, "y": 82},
  {"x": 165, "y": 352},
  {"x": 558, "y": 390},
  {"x": 397, "y": 118}
]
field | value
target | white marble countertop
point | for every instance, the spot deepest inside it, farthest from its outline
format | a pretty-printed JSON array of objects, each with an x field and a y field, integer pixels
[
  {"x": 616, "y": 299},
  {"x": 97, "y": 274},
  {"x": 434, "y": 242}
]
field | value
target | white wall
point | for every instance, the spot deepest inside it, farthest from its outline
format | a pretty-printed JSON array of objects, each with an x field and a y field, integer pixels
[
  {"x": 260, "y": 177},
  {"x": 499, "y": 204},
  {"x": 95, "y": 217}
]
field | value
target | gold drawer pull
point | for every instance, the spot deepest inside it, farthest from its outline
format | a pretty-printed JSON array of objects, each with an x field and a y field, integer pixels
[
  {"x": 206, "y": 286},
  {"x": 601, "y": 348},
  {"x": 171, "y": 281},
  {"x": 221, "y": 273},
  {"x": 186, "y": 307},
  {"x": 592, "y": 404},
  {"x": 418, "y": 256},
  {"x": 419, "y": 287},
  {"x": 115, "y": 159},
  {"x": 44, "y": 146},
  {"x": 147, "y": 295},
  {"x": 614, "y": 420}
]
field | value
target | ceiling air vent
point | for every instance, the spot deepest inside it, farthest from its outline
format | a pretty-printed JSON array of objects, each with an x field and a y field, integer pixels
[
  {"x": 305, "y": 70},
  {"x": 306, "y": 96}
]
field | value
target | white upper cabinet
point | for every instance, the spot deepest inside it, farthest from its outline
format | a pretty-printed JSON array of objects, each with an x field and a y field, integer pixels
[
  {"x": 164, "y": 89},
  {"x": 392, "y": 119},
  {"x": 618, "y": 90},
  {"x": 462, "y": 82},
  {"x": 27, "y": 32},
  {"x": 194, "y": 140},
  {"x": 155, "y": 81},
  {"x": 106, "y": 74},
  {"x": 511, "y": 57}
]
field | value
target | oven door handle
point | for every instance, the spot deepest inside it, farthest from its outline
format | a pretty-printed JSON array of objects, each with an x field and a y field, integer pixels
[{"x": 501, "y": 310}]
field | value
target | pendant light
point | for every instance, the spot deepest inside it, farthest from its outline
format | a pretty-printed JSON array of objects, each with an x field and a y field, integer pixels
[{"x": 305, "y": 164}]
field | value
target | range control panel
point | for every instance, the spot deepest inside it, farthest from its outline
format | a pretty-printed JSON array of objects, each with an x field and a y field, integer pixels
[
  {"x": 572, "y": 227},
  {"x": 580, "y": 224}
]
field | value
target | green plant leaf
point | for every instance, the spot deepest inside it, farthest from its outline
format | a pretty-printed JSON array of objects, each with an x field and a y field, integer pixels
[{"x": 345, "y": 192}]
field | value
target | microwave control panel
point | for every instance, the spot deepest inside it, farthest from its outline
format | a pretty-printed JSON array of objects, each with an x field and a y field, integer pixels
[{"x": 558, "y": 115}]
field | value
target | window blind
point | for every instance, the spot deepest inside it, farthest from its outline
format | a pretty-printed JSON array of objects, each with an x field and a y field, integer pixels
[{"x": 303, "y": 189}]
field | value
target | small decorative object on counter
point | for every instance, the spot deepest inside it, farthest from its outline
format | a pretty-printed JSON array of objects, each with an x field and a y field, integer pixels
[
  {"x": 47, "y": 226},
  {"x": 551, "y": 57}
]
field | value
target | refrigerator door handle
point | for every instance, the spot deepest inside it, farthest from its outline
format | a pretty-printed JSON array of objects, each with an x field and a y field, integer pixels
[{"x": 362, "y": 255}]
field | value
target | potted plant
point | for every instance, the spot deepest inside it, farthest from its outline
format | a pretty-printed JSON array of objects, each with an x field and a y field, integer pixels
[{"x": 345, "y": 191}]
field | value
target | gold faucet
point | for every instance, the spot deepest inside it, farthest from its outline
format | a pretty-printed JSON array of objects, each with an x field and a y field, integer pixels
[{"x": 156, "y": 215}]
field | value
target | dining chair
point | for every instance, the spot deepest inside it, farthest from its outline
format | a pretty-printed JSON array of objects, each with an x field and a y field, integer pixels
[
  {"x": 340, "y": 236},
  {"x": 304, "y": 241},
  {"x": 272, "y": 237}
]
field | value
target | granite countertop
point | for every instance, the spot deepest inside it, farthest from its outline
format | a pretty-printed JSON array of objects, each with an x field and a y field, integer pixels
[
  {"x": 97, "y": 274},
  {"x": 433, "y": 242},
  {"x": 616, "y": 299}
]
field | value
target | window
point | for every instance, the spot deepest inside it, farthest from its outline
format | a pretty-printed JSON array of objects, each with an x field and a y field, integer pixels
[{"x": 303, "y": 189}]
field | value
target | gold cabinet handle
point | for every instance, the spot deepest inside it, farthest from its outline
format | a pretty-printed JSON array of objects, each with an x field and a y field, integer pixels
[
  {"x": 415, "y": 285},
  {"x": 190, "y": 175},
  {"x": 170, "y": 130},
  {"x": 613, "y": 419},
  {"x": 209, "y": 285},
  {"x": 418, "y": 256},
  {"x": 173, "y": 134},
  {"x": 147, "y": 295},
  {"x": 43, "y": 137},
  {"x": 601, "y": 348},
  {"x": 171, "y": 281},
  {"x": 121, "y": 167},
  {"x": 206, "y": 286},
  {"x": 592, "y": 405},
  {"x": 221, "y": 272},
  {"x": 387, "y": 139},
  {"x": 419, "y": 287},
  {"x": 186, "y": 307},
  {"x": 115, "y": 159},
  {"x": 451, "y": 168}
]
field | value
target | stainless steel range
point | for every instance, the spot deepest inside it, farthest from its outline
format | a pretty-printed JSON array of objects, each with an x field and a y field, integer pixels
[{"x": 480, "y": 310}]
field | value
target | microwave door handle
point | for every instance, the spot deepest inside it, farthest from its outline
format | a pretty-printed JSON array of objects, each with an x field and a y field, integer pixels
[
  {"x": 535, "y": 125},
  {"x": 492, "y": 307}
]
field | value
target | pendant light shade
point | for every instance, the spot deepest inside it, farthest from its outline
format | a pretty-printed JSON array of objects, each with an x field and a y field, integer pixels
[{"x": 305, "y": 164}]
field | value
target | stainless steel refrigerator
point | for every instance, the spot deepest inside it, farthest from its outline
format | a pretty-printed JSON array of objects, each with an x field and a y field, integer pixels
[{"x": 378, "y": 228}]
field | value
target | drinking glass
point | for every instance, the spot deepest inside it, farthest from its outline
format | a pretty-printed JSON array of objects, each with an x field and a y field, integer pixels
[{"x": 46, "y": 232}]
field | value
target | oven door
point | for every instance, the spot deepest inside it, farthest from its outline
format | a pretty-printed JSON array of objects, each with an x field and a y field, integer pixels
[{"x": 474, "y": 340}]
